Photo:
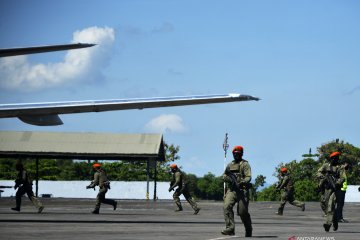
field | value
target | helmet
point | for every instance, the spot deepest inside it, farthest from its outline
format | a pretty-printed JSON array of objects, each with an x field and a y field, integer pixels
[
  {"x": 173, "y": 166},
  {"x": 334, "y": 154},
  {"x": 238, "y": 149},
  {"x": 283, "y": 170},
  {"x": 96, "y": 165}
]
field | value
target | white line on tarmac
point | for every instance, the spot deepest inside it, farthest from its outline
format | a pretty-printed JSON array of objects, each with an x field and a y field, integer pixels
[{"x": 220, "y": 238}]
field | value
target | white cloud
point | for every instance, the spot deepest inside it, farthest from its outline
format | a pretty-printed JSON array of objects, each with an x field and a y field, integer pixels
[
  {"x": 166, "y": 123},
  {"x": 78, "y": 65}
]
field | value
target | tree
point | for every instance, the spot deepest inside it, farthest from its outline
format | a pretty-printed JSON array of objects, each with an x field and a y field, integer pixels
[
  {"x": 268, "y": 194},
  {"x": 210, "y": 187},
  {"x": 259, "y": 182}
]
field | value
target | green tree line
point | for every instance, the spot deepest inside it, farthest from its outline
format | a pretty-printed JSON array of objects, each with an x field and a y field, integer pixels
[{"x": 208, "y": 186}]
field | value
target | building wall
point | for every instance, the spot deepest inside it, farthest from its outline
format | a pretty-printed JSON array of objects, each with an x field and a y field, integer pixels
[
  {"x": 120, "y": 190},
  {"x": 77, "y": 189}
]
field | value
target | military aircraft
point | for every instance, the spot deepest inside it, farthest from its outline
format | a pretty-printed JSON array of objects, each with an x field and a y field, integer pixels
[
  {"x": 8, "y": 52},
  {"x": 47, "y": 113}
]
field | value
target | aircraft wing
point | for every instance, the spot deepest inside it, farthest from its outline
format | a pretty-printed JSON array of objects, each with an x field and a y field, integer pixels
[
  {"x": 46, "y": 113},
  {"x": 8, "y": 52}
]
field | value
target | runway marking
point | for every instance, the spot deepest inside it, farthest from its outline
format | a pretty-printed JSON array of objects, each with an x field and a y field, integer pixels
[{"x": 224, "y": 237}]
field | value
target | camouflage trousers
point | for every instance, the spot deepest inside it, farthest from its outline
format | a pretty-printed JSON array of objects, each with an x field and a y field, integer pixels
[
  {"x": 188, "y": 197},
  {"x": 288, "y": 196},
  {"x": 330, "y": 206},
  {"x": 101, "y": 198},
  {"x": 242, "y": 198},
  {"x": 28, "y": 190}
]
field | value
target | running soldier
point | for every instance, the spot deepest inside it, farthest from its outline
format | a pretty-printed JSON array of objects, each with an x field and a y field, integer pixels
[
  {"x": 23, "y": 184},
  {"x": 101, "y": 180},
  {"x": 286, "y": 183},
  {"x": 179, "y": 181}
]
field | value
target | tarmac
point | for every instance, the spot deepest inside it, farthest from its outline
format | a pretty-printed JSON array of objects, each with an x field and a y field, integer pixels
[{"x": 140, "y": 219}]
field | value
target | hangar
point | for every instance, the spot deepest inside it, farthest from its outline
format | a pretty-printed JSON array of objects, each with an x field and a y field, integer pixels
[{"x": 84, "y": 146}]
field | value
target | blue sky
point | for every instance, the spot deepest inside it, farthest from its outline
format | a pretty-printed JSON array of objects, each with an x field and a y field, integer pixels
[{"x": 300, "y": 57}]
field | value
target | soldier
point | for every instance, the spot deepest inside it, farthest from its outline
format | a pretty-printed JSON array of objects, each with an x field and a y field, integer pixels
[
  {"x": 331, "y": 177},
  {"x": 24, "y": 184},
  {"x": 287, "y": 184},
  {"x": 237, "y": 177},
  {"x": 179, "y": 181},
  {"x": 101, "y": 180}
]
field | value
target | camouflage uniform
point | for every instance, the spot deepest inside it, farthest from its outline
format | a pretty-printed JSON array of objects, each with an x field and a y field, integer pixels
[
  {"x": 179, "y": 181},
  {"x": 101, "y": 180},
  {"x": 237, "y": 193},
  {"x": 329, "y": 198},
  {"x": 287, "y": 184},
  {"x": 24, "y": 184}
]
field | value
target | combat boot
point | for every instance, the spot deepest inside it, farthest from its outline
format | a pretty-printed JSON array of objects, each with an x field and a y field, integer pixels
[
  {"x": 115, "y": 205},
  {"x": 279, "y": 212},
  {"x": 15, "y": 209},
  {"x": 228, "y": 231},
  {"x": 335, "y": 226},
  {"x": 327, "y": 227},
  {"x": 248, "y": 232},
  {"x": 197, "y": 211},
  {"x": 303, "y": 207},
  {"x": 96, "y": 211},
  {"x": 40, "y": 209}
]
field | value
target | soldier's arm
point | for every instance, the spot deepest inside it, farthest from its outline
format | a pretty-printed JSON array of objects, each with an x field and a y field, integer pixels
[
  {"x": 284, "y": 182},
  {"x": 321, "y": 172},
  {"x": 177, "y": 181},
  {"x": 247, "y": 173},
  {"x": 342, "y": 176},
  {"x": 226, "y": 176},
  {"x": 95, "y": 182}
]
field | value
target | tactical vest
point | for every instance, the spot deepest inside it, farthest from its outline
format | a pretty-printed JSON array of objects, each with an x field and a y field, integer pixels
[
  {"x": 182, "y": 182},
  {"x": 237, "y": 169},
  {"x": 103, "y": 180}
]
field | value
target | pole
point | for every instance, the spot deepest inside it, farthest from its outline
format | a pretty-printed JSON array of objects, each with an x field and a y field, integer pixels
[
  {"x": 37, "y": 177},
  {"x": 147, "y": 179},
  {"x": 225, "y": 147}
]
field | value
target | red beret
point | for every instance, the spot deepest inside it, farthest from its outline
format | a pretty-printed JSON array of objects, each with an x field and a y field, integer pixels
[
  {"x": 96, "y": 165},
  {"x": 238, "y": 149},
  {"x": 334, "y": 154}
]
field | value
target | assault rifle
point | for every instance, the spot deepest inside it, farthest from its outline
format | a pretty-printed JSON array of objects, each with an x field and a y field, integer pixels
[
  {"x": 233, "y": 178},
  {"x": 330, "y": 179}
]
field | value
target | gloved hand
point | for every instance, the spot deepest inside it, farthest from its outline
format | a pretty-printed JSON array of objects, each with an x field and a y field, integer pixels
[
  {"x": 87, "y": 187},
  {"x": 170, "y": 189}
]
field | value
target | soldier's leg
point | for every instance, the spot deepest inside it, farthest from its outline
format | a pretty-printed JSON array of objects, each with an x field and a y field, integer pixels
[
  {"x": 282, "y": 203},
  {"x": 229, "y": 202},
  {"x": 190, "y": 199},
  {"x": 176, "y": 197},
  {"x": 330, "y": 209},
  {"x": 340, "y": 204},
  {"x": 103, "y": 199},
  {"x": 99, "y": 199},
  {"x": 323, "y": 202},
  {"x": 20, "y": 192},
  {"x": 295, "y": 202},
  {"x": 34, "y": 199},
  {"x": 244, "y": 212}
]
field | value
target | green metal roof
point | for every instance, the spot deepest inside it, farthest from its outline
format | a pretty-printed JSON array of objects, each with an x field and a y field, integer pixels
[{"x": 82, "y": 145}]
